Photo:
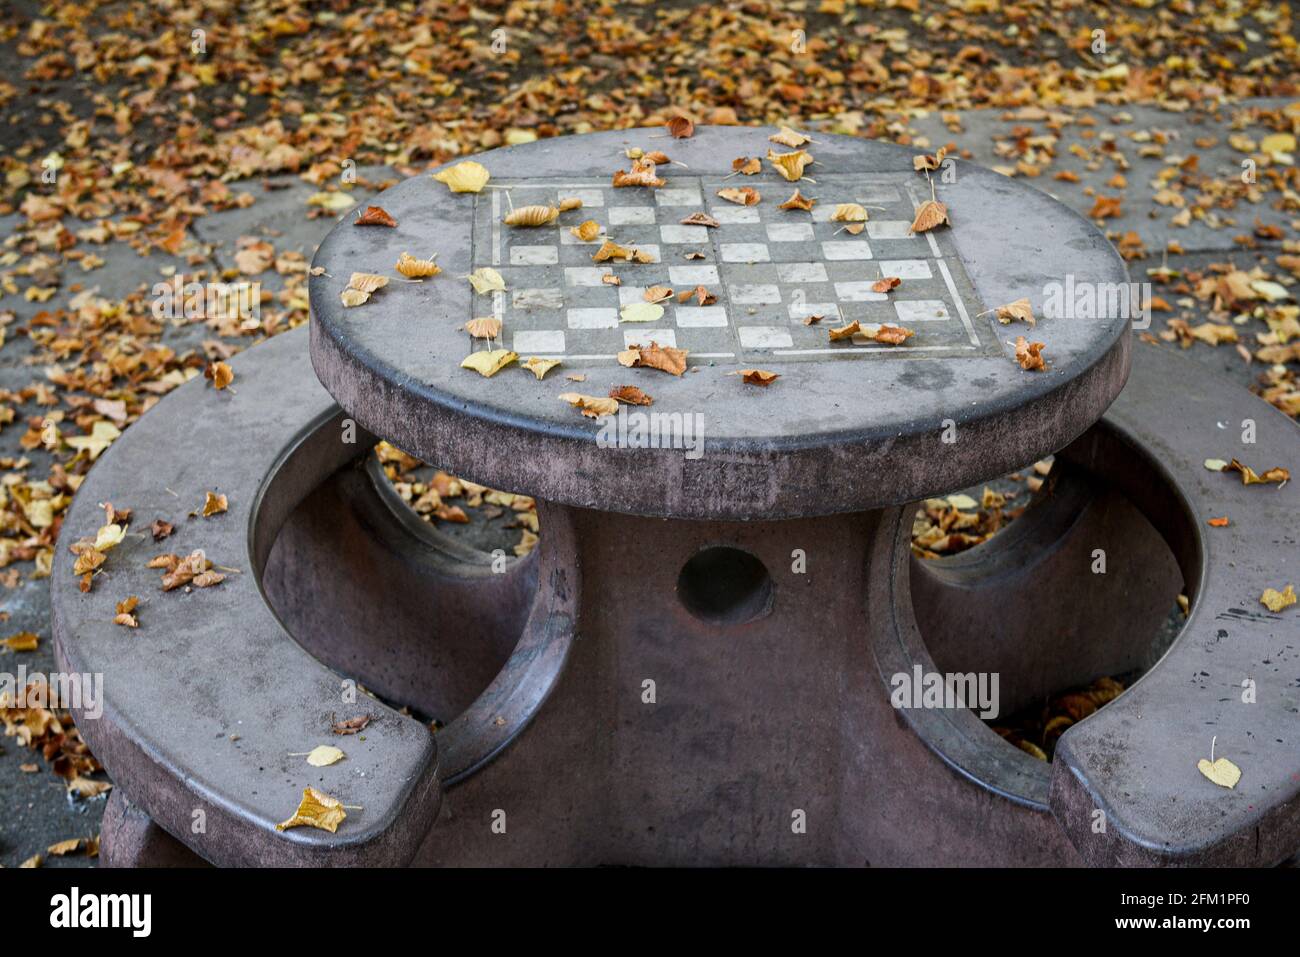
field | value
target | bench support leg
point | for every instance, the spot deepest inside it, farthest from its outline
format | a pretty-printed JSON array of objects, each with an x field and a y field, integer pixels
[{"x": 130, "y": 838}]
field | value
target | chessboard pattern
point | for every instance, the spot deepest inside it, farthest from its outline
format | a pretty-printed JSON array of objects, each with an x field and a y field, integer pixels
[{"x": 769, "y": 268}]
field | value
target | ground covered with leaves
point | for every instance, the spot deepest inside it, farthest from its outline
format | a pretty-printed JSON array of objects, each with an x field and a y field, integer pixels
[{"x": 219, "y": 140}]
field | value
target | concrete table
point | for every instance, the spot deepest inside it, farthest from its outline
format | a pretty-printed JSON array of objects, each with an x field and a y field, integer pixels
[{"x": 695, "y": 665}]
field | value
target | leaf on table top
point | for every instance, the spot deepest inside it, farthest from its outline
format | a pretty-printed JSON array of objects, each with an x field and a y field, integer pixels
[
  {"x": 1248, "y": 476},
  {"x": 484, "y": 327},
  {"x": 930, "y": 214},
  {"x": 1030, "y": 355},
  {"x": 701, "y": 296},
  {"x": 700, "y": 219},
  {"x": 788, "y": 137},
  {"x": 353, "y": 297},
  {"x": 214, "y": 504},
  {"x": 642, "y": 173},
  {"x": 375, "y": 216},
  {"x": 22, "y": 641},
  {"x": 108, "y": 536},
  {"x": 798, "y": 201},
  {"x": 892, "y": 335},
  {"x": 1222, "y": 772},
  {"x": 317, "y": 809},
  {"x": 486, "y": 280},
  {"x": 1021, "y": 309},
  {"x": 846, "y": 331},
  {"x": 680, "y": 127},
  {"x": 1275, "y": 600},
  {"x": 926, "y": 162},
  {"x": 790, "y": 165},
  {"x": 539, "y": 367},
  {"x": 466, "y": 177},
  {"x": 747, "y": 165},
  {"x": 592, "y": 406},
  {"x": 756, "y": 376},
  {"x": 741, "y": 195},
  {"x": 641, "y": 312},
  {"x": 655, "y": 356},
  {"x": 323, "y": 755},
  {"x": 569, "y": 202},
  {"x": 414, "y": 268},
  {"x": 586, "y": 231},
  {"x": 630, "y": 394},
  {"x": 657, "y": 293},
  {"x": 352, "y": 725},
  {"x": 886, "y": 284},
  {"x": 219, "y": 374},
  {"x": 489, "y": 362},
  {"x": 532, "y": 216}
]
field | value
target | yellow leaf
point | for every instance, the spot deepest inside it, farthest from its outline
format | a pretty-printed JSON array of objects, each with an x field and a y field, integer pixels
[
  {"x": 354, "y": 297},
  {"x": 413, "y": 268},
  {"x": 790, "y": 165},
  {"x": 466, "y": 177},
  {"x": 539, "y": 367},
  {"x": 485, "y": 327},
  {"x": 848, "y": 213},
  {"x": 1020, "y": 309},
  {"x": 64, "y": 847},
  {"x": 592, "y": 406},
  {"x": 318, "y": 810},
  {"x": 532, "y": 216},
  {"x": 324, "y": 755},
  {"x": 587, "y": 231},
  {"x": 213, "y": 504},
  {"x": 788, "y": 137},
  {"x": 23, "y": 641},
  {"x": 1222, "y": 772},
  {"x": 489, "y": 362},
  {"x": 367, "y": 281},
  {"x": 108, "y": 536},
  {"x": 1275, "y": 600},
  {"x": 101, "y": 437},
  {"x": 486, "y": 280},
  {"x": 641, "y": 312},
  {"x": 930, "y": 214}
]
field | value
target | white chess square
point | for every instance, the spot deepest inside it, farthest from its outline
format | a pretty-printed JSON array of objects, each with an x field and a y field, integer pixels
[
  {"x": 878, "y": 194},
  {"x": 585, "y": 275},
  {"x": 643, "y": 337},
  {"x": 680, "y": 196},
  {"x": 593, "y": 318},
  {"x": 690, "y": 317},
  {"x": 631, "y": 215},
  {"x": 858, "y": 292},
  {"x": 789, "y": 232},
  {"x": 906, "y": 268},
  {"x": 755, "y": 295},
  {"x": 537, "y": 299},
  {"x": 589, "y": 197},
  {"x": 684, "y": 234},
  {"x": 847, "y": 249},
  {"x": 920, "y": 310},
  {"x": 802, "y": 310},
  {"x": 534, "y": 255},
  {"x": 745, "y": 253},
  {"x": 693, "y": 275},
  {"x": 731, "y": 215},
  {"x": 890, "y": 229},
  {"x": 801, "y": 272},
  {"x": 548, "y": 342},
  {"x": 630, "y": 294},
  {"x": 765, "y": 337}
]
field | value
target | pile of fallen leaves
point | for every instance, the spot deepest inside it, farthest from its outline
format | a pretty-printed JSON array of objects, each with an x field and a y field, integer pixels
[
  {"x": 53, "y": 735},
  {"x": 946, "y": 526},
  {"x": 1036, "y": 730},
  {"x": 438, "y": 497}
]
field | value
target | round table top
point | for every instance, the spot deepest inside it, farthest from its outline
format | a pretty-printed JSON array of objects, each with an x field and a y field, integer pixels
[{"x": 849, "y": 424}]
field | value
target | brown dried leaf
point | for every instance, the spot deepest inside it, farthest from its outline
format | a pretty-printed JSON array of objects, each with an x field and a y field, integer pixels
[
  {"x": 798, "y": 201},
  {"x": 700, "y": 219},
  {"x": 930, "y": 214},
  {"x": 1030, "y": 355},
  {"x": 741, "y": 195},
  {"x": 375, "y": 216},
  {"x": 485, "y": 327},
  {"x": 592, "y": 406},
  {"x": 757, "y": 376},
  {"x": 532, "y": 216},
  {"x": 631, "y": 395}
]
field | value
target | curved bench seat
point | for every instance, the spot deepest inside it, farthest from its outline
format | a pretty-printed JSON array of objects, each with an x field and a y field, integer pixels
[
  {"x": 207, "y": 702},
  {"x": 1136, "y": 759}
]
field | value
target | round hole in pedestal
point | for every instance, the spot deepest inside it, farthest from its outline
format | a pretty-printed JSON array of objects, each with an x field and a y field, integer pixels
[{"x": 725, "y": 586}]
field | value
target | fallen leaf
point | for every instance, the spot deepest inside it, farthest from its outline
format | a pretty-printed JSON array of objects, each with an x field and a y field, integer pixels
[
  {"x": 926, "y": 162},
  {"x": 219, "y": 374},
  {"x": 375, "y": 216},
  {"x": 485, "y": 327},
  {"x": 489, "y": 362},
  {"x": 413, "y": 268},
  {"x": 1222, "y": 772},
  {"x": 108, "y": 536},
  {"x": 532, "y": 216},
  {"x": 757, "y": 376},
  {"x": 846, "y": 331},
  {"x": 657, "y": 293},
  {"x": 1275, "y": 600},
  {"x": 851, "y": 213},
  {"x": 1029, "y": 355},
  {"x": 680, "y": 127},
  {"x": 486, "y": 280},
  {"x": 586, "y": 231},
  {"x": 893, "y": 335},
  {"x": 539, "y": 367},
  {"x": 354, "y": 297},
  {"x": 569, "y": 202},
  {"x": 1020, "y": 309},
  {"x": 741, "y": 195},
  {"x": 655, "y": 356},
  {"x": 322, "y": 756},
  {"x": 790, "y": 165},
  {"x": 930, "y": 214},
  {"x": 367, "y": 282},
  {"x": 466, "y": 177},
  {"x": 798, "y": 201},
  {"x": 101, "y": 437},
  {"x": 641, "y": 174},
  {"x": 317, "y": 810},
  {"x": 747, "y": 165},
  {"x": 701, "y": 295},
  {"x": 641, "y": 312},
  {"x": 788, "y": 137},
  {"x": 1248, "y": 476},
  {"x": 631, "y": 395},
  {"x": 352, "y": 725},
  {"x": 62, "y": 848},
  {"x": 700, "y": 219},
  {"x": 23, "y": 641},
  {"x": 886, "y": 284},
  {"x": 1218, "y": 522},
  {"x": 592, "y": 406},
  {"x": 214, "y": 504}
]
